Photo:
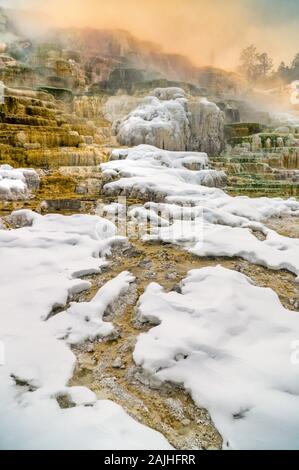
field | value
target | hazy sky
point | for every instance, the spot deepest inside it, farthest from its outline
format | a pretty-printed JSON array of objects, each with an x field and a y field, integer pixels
[{"x": 208, "y": 31}]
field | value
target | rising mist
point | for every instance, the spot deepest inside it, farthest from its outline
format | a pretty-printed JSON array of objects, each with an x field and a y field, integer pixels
[{"x": 208, "y": 32}]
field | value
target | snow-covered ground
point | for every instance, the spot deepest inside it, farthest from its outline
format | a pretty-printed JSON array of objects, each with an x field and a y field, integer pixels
[
  {"x": 41, "y": 265},
  {"x": 231, "y": 350},
  {"x": 206, "y": 220},
  {"x": 154, "y": 173}
]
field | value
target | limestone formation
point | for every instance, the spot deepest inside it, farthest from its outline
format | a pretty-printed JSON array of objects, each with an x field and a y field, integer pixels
[
  {"x": 31, "y": 178},
  {"x": 262, "y": 163},
  {"x": 206, "y": 127},
  {"x": 163, "y": 124},
  {"x": 17, "y": 183},
  {"x": 169, "y": 93},
  {"x": 168, "y": 120},
  {"x": 150, "y": 173},
  {"x": 37, "y": 130},
  {"x": 88, "y": 107}
]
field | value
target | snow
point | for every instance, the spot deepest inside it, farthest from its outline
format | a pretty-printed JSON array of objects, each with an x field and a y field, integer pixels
[
  {"x": 41, "y": 265},
  {"x": 203, "y": 219},
  {"x": 147, "y": 169},
  {"x": 147, "y": 155},
  {"x": 169, "y": 93},
  {"x": 275, "y": 252},
  {"x": 210, "y": 232},
  {"x": 104, "y": 426},
  {"x": 169, "y": 120},
  {"x": 156, "y": 122},
  {"x": 17, "y": 183},
  {"x": 232, "y": 351},
  {"x": 83, "y": 321},
  {"x": 168, "y": 175}
]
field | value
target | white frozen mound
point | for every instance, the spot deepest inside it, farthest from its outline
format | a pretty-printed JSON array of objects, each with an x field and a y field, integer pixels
[
  {"x": 169, "y": 93},
  {"x": 275, "y": 252},
  {"x": 84, "y": 321},
  {"x": 170, "y": 121},
  {"x": 155, "y": 174},
  {"x": 255, "y": 209},
  {"x": 184, "y": 178},
  {"x": 40, "y": 268},
  {"x": 214, "y": 232},
  {"x": 232, "y": 351},
  {"x": 17, "y": 183},
  {"x": 147, "y": 155},
  {"x": 163, "y": 124}
]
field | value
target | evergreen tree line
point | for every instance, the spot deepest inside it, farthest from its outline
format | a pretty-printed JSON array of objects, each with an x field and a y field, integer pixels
[{"x": 259, "y": 67}]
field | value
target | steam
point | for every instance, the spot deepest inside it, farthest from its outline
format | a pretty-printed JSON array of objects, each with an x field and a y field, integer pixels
[{"x": 208, "y": 32}]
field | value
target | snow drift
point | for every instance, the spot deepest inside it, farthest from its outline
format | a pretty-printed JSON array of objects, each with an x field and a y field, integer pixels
[
  {"x": 232, "y": 351},
  {"x": 41, "y": 265}
]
